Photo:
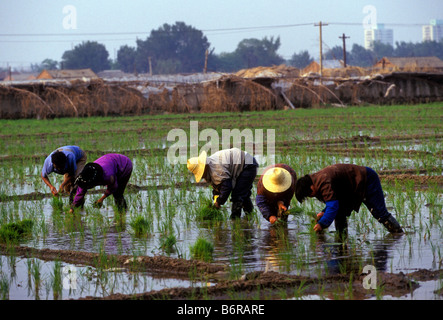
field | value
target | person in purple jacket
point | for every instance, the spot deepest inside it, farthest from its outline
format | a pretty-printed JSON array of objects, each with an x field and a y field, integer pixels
[{"x": 111, "y": 170}]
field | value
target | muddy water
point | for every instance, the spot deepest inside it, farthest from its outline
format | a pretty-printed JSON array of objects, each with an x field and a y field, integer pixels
[{"x": 246, "y": 245}]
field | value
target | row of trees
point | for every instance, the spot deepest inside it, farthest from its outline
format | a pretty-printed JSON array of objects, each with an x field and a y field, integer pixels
[
  {"x": 359, "y": 56},
  {"x": 180, "y": 48}
]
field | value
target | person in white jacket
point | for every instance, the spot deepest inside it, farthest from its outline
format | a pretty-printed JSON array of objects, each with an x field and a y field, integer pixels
[{"x": 229, "y": 172}]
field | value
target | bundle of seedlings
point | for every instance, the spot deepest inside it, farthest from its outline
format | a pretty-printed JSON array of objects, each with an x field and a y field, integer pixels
[
  {"x": 207, "y": 211},
  {"x": 295, "y": 211},
  {"x": 140, "y": 225},
  {"x": 202, "y": 250}
]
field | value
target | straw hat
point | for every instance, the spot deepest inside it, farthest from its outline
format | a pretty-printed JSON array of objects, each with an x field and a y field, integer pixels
[
  {"x": 197, "y": 165},
  {"x": 277, "y": 180}
]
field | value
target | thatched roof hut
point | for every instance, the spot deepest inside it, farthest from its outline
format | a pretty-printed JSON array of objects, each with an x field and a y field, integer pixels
[{"x": 409, "y": 64}]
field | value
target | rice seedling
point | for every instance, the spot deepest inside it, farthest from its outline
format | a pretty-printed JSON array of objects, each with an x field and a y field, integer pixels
[
  {"x": 4, "y": 287},
  {"x": 202, "y": 249},
  {"x": 56, "y": 280},
  {"x": 14, "y": 231},
  {"x": 402, "y": 138},
  {"x": 207, "y": 211},
  {"x": 168, "y": 242},
  {"x": 57, "y": 204},
  {"x": 140, "y": 225}
]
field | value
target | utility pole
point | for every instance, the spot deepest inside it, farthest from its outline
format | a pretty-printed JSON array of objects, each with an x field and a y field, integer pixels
[
  {"x": 320, "y": 25},
  {"x": 344, "y": 37},
  {"x": 205, "y": 69},
  {"x": 150, "y": 65}
]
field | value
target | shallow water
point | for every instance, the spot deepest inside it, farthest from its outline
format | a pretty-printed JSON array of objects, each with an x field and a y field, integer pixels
[
  {"x": 76, "y": 281},
  {"x": 245, "y": 245}
]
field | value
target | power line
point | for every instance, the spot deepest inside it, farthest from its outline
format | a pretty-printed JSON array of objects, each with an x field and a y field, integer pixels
[
  {"x": 257, "y": 28},
  {"x": 144, "y": 32},
  {"x": 72, "y": 40}
]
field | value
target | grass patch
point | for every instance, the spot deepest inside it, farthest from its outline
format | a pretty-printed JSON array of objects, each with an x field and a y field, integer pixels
[
  {"x": 140, "y": 225},
  {"x": 202, "y": 250},
  {"x": 168, "y": 242},
  {"x": 14, "y": 231},
  {"x": 57, "y": 204}
]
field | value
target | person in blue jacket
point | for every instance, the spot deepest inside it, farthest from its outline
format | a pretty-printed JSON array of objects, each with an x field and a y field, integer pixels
[{"x": 68, "y": 161}]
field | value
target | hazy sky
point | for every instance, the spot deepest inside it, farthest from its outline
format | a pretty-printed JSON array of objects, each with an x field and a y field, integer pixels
[{"x": 33, "y": 30}]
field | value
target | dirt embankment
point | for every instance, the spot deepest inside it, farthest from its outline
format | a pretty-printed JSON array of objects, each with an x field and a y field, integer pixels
[
  {"x": 156, "y": 264},
  {"x": 273, "y": 285}
]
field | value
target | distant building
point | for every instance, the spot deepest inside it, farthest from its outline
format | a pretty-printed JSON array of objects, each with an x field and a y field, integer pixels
[
  {"x": 16, "y": 76},
  {"x": 433, "y": 31},
  {"x": 410, "y": 64},
  {"x": 67, "y": 74},
  {"x": 113, "y": 74},
  {"x": 378, "y": 34}
]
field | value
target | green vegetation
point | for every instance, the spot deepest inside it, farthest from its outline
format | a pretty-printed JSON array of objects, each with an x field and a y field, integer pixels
[
  {"x": 14, "y": 231},
  {"x": 140, "y": 225},
  {"x": 202, "y": 250},
  {"x": 207, "y": 211},
  {"x": 169, "y": 214}
]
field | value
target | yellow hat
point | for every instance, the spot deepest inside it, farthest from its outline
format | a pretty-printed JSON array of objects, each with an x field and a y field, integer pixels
[
  {"x": 277, "y": 179},
  {"x": 197, "y": 165}
]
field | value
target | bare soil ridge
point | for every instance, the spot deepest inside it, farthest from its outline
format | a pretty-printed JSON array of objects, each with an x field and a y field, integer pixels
[{"x": 257, "y": 284}]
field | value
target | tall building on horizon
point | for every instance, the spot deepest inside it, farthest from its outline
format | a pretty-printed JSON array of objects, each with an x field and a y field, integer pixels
[
  {"x": 378, "y": 33},
  {"x": 433, "y": 31}
]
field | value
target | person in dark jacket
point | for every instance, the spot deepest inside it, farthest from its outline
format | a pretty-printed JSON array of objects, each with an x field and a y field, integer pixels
[
  {"x": 275, "y": 189},
  {"x": 229, "y": 172},
  {"x": 343, "y": 188}
]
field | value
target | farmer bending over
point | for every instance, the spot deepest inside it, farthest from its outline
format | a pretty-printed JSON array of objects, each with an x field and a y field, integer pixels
[
  {"x": 230, "y": 171},
  {"x": 111, "y": 170},
  {"x": 67, "y": 160},
  {"x": 343, "y": 188},
  {"x": 275, "y": 190}
]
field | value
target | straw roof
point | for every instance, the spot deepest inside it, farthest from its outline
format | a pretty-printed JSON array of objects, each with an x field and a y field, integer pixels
[
  {"x": 408, "y": 62},
  {"x": 67, "y": 74},
  {"x": 268, "y": 72}
]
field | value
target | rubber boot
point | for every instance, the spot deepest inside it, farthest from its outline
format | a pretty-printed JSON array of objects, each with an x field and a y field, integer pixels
[
  {"x": 236, "y": 209},
  {"x": 248, "y": 206},
  {"x": 392, "y": 225}
]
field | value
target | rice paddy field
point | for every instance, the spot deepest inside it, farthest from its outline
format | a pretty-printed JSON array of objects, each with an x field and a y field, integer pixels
[{"x": 163, "y": 248}]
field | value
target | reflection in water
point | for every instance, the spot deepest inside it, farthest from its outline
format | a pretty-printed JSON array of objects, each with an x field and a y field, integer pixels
[
  {"x": 34, "y": 279},
  {"x": 243, "y": 245}
]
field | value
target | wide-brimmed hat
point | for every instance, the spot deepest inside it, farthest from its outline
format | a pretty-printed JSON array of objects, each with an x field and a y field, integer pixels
[
  {"x": 277, "y": 179},
  {"x": 197, "y": 165}
]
